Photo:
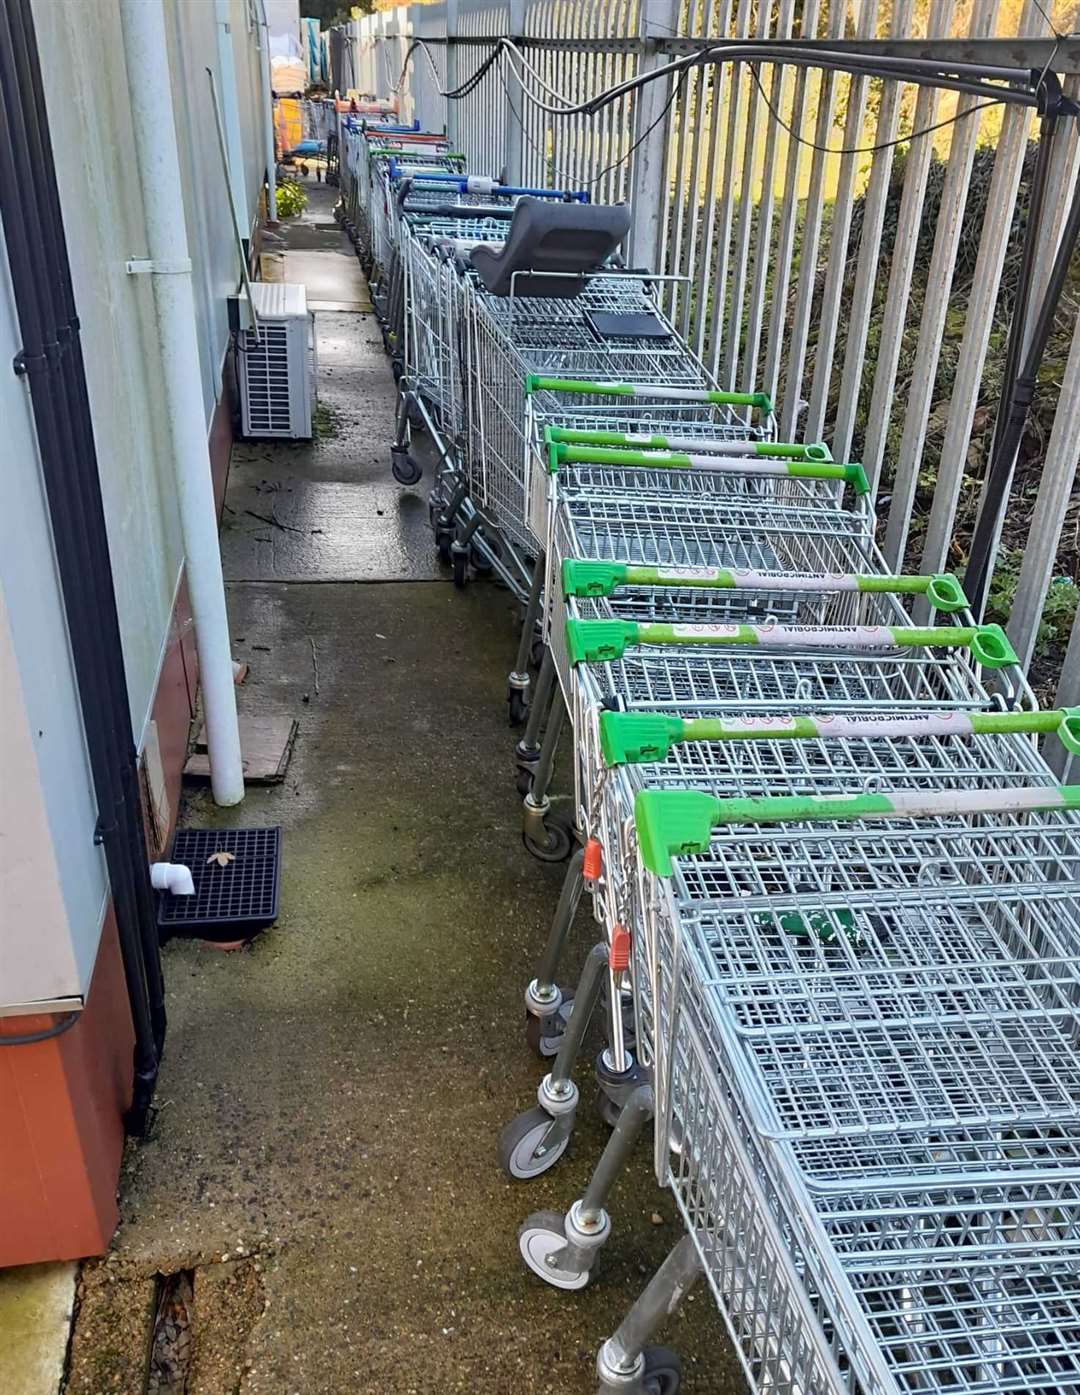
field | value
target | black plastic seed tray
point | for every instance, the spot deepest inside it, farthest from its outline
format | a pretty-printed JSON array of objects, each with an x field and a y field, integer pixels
[
  {"x": 234, "y": 896},
  {"x": 621, "y": 324}
]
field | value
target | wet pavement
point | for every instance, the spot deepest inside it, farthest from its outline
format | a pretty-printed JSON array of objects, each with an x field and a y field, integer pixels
[{"x": 324, "y": 1155}]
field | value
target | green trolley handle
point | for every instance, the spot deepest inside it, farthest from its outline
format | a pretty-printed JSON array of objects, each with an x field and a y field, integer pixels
[
  {"x": 588, "y": 578},
  {"x": 633, "y": 738},
  {"x": 679, "y": 823},
  {"x": 631, "y": 440},
  {"x": 603, "y": 641},
  {"x": 586, "y": 387},
  {"x": 750, "y": 465}
]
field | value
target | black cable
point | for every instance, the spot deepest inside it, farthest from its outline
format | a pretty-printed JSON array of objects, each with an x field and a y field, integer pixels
[
  {"x": 866, "y": 149},
  {"x": 591, "y": 183},
  {"x": 48, "y": 1034}
]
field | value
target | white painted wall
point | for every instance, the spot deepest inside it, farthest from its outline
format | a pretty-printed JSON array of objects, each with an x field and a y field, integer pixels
[
  {"x": 52, "y": 877},
  {"x": 86, "y": 86},
  {"x": 247, "y": 60}
]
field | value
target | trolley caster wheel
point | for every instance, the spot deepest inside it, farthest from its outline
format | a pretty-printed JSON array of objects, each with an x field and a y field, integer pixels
[
  {"x": 521, "y": 1149},
  {"x": 536, "y": 652},
  {"x": 608, "y": 1110},
  {"x": 556, "y": 845},
  {"x": 547, "y": 1046},
  {"x": 459, "y": 561},
  {"x": 482, "y": 565},
  {"x": 443, "y": 543},
  {"x": 518, "y": 709},
  {"x": 415, "y": 415},
  {"x": 523, "y": 782},
  {"x": 663, "y": 1371},
  {"x": 397, "y": 368},
  {"x": 404, "y": 468},
  {"x": 541, "y": 1236}
]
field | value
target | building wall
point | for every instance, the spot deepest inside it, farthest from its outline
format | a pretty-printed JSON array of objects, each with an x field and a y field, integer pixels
[
  {"x": 248, "y": 60},
  {"x": 47, "y": 940},
  {"x": 86, "y": 86}
]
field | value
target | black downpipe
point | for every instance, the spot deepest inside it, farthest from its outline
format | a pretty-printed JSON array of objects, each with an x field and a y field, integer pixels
[{"x": 51, "y": 360}]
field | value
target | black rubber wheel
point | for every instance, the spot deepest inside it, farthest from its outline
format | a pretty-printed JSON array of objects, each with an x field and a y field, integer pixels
[
  {"x": 523, "y": 782},
  {"x": 608, "y": 1110},
  {"x": 481, "y": 564},
  {"x": 459, "y": 561},
  {"x": 416, "y": 416},
  {"x": 517, "y": 708},
  {"x": 663, "y": 1371},
  {"x": 547, "y": 1046},
  {"x": 519, "y": 1140},
  {"x": 536, "y": 652},
  {"x": 404, "y": 468},
  {"x": 556, "y": 845},
  {"x": 444, "y": 542},
  {"x": 396, "y": 366}
]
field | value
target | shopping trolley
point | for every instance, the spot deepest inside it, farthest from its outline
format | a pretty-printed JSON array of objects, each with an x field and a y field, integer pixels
[
  {"x": 618, "y": 752},
  {"x": 915, "y": 1200}
]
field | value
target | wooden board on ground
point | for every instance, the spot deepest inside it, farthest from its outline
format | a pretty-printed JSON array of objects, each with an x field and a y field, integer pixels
[
  {"x": 266, "y": 744},
  {"x": 342, "y": 307}
]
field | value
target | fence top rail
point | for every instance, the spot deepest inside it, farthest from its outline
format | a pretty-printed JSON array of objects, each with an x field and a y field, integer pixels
[{"x": 1055, "y": 55}]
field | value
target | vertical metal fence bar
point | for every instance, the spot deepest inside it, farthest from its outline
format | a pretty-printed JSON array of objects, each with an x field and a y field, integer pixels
[
  {"x": 939, "y": 279},
  {"x": 743, "y": 226},
  {"x": 691, "y": 312},
  {"x": 811, "y": 233},
  {"x": 780, "y": 82},
  {"x": 674, "y": 194},
  {"x": 685, "y": 189},
  {"x": 514, "y": 155},
  {"x": 989, "y": 263},
  {"x": 839, "y": 239},
  {"x": 1067, "y": 695},
  {"x": 867, "y": 269},
  {"x": 556, "y": 124},
  {"x": 902, "y": 264},
  {"x": 1048, "y": 520},
  {"x": 650, "y": 161},
  {"x": 453, "y": 75},
  {"x": 1063, "y": 170},
  {"x": 789, "y": 211},
  {"x": 705, "y": 283},
  {"x": 722, "y": 235}
]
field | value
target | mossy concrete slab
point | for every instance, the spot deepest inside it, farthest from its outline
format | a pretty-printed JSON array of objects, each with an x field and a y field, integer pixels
[
  {"x": 35, "y": 1317},
  {"x": 331, "y": 1097}
]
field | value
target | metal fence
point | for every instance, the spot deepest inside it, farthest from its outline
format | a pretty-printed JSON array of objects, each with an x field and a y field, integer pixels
[{"x": 860, "y": 275}]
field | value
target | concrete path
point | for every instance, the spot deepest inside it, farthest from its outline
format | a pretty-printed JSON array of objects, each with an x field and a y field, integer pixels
[{"x": 324, "y": 1157}]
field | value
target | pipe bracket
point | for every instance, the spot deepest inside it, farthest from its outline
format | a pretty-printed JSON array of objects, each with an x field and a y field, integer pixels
[{"x": 140, "y": 266}]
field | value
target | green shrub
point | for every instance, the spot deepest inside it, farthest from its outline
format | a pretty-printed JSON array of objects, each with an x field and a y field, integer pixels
[{"x": 291, "y": 199}]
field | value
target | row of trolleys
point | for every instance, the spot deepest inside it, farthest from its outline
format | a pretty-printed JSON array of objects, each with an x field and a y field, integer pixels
[{"x": 835, "y": 883}]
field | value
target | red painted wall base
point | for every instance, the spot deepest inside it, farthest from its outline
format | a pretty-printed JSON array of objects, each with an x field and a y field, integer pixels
[{"x": 62, "y": 1102}]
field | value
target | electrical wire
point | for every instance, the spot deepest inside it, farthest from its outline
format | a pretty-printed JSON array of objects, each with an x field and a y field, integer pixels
[
  {"x": 955, "y": 77},
  {"x": 570, "y": 179},
  {"x": 919, "y": 71},
  {"x": 48, "y": 1034},
  {"x": 864, "y": 149}
]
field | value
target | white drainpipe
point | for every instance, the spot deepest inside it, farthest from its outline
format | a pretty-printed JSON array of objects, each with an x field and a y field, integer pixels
[
  {"x": 268, "y": 115},
  {"x": 147, "y": 55}
]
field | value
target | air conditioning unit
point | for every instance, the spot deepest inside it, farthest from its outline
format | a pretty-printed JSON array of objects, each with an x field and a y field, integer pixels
[{"x": 277, "y": 375}]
